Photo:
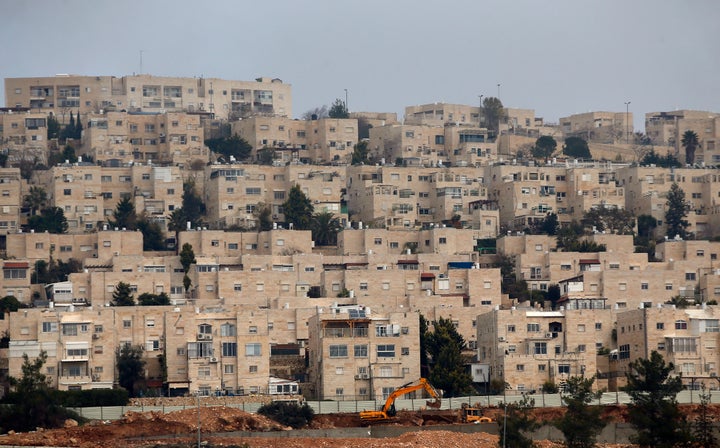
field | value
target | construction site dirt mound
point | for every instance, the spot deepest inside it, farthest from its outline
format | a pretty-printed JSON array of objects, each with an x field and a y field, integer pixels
[{"x": 145, "y": 429}]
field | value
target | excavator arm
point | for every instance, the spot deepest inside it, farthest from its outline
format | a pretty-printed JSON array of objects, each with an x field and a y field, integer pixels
[{"x": 388, "y": 410}]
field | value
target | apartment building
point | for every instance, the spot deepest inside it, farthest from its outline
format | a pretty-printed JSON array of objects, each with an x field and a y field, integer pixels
[
  {"x": 233, "y": 192},
  {"x": 405, "y": 197},
  {"x": 91, "y": 94},
  {"x": 667, "y": 128},
  {"x": 23, "y": 134},
  {"x": 326, "y": 140},
  {"x": 528, "y": 347},
  {"x": 688, "y": 338},
  {"x": 88, "y": 194},
  {"x": 16, "y": 279},
  {"x": 369, "y": 120},
  {"x": 11, "y": 189},
  {"x": 422, "y": 144},
  {"x": 647, "y": 188},
  {"x": 167, "y": 138},
  {"x": 384, "y": 352},
  {"x": 600, "y": 127}
]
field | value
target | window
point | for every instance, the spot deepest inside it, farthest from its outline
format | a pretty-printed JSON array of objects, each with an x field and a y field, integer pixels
[
  {"x": 660, "y": 326},
  {"x": 598, "y": 326},
  {"x": 680, "y": 325},
  {"x": 520, "y": 367},
  {"x": 228, "y": 330},
  {"x": 253, "y": 349},
  {"x": 540, "y": 348},
  {"x": 252, "y": 329},
  {"x": 252, "y": 369},
  {"x": 229, "y": 349},
  {"x": 361, "y": 351},
  {"x": 668, "y": 286},
  {"x": 533, "y": 328},
  {"x": 511, "y": 328},
  {"x": 338, "y": 351},
  {"x": 564, "y": 369},
  {"x": 624, "y": 351},
  {"x": 386, "y": 350},
  {"x": 378, "y": 241},
  {"x": 644, "y": 286},
  {"x": 49, "y": 327},
  {"x": 405, "y": 351},
  {"x": 442, "y": 240},
  {"x": 581, "y": 328},
  {"x": 252, "y": 191},
  {"x": 689, "y": 276}
]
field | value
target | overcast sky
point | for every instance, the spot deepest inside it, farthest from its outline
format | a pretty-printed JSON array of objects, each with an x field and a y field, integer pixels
[{"x": 557, "y": 57}]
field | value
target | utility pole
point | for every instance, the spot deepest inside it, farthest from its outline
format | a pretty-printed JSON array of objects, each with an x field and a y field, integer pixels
[
  {"x": 347, "y": 109},
  {"x": 627, "y": 122},
  {"x": 141, "y": 52}
]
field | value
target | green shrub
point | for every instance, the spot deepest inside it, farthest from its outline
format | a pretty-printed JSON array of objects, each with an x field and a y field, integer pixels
[{"x": 288, "y": 414}]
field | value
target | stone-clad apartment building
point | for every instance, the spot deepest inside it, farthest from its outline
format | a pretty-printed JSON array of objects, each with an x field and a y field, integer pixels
[{"x": 350, "y": 312}]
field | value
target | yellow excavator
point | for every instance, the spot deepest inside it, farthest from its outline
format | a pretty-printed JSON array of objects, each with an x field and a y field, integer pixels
[{"x": 388, "y": 410}]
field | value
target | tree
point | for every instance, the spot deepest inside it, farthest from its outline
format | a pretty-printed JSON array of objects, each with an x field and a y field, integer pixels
[
  {"x": 153, "y": 238},
  {"x": 266, "y": 156},
  {"x": 9, "y": 304},
  {"x": 676, "y": 212},
  {"x": 122, "y": 296},
  {"x": 325, "y": 228},
  {"x": 544, "y": 147},
  {"x": 653, "y": 410},
  {"x": 51, "y": 219},
  {"x": 576, "y": 147},
  {"x": 263, "y": 214},
  {"x": 35, "y": 200},
  {"x": 78, "y": 128},
  {"x": 338, "y": 109},
  {"x": 493, "y": 112},
  {"x": 298, "y": 209},
  {"x": 653, "y": 158},
  {"x": 447, "y": 366},
  {"x": 33, "y": 403},
  {"x": 124, "y": 215},
  {"x": 611, "y": 220},
  {"x": 703, "y": 429},
  {"x": 53, "y": 127},
  {"x": 233, "y": 146},
  {"x": 581, "y": 423},
  {"x": 516, "y": 423},
  {"x": 360, "y": 153},
  {"x": 130, "y": 366},
  {"x": 553, "y": 294},
  {"x": 316, "y": 113},
  {"x": 690, "y": 142},
  {"x": 192, "y": 210},
  {"x": 187, "y": 257},
  {"x": 550, "y": 224},
  {"x": 149, "y": 299}
]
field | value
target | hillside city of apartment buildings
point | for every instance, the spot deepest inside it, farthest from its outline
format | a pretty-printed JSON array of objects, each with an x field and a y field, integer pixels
[{"x": 271, "y": 311}]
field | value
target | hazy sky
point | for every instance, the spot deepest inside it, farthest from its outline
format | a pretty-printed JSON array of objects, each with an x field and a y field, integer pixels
[{"x": 557, "y": 57}]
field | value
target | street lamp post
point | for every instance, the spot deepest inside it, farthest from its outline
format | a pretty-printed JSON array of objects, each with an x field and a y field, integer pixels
[
  {"x": 498, "y": 90},
  {"x": 346, "y": 101},
  {"x": 627, "y": 122}
]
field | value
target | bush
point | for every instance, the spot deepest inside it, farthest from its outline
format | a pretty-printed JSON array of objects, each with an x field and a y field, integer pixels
[
  {"x": 550, "y": 388},
  {"x": 288, "y": 414}
]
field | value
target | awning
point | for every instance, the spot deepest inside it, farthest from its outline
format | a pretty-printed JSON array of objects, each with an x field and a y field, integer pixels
[
  {"x": 427, "y": 276},
  {"x": 16, "y": 265},
  {"x": 589, "y": 261},
  {"x": 407, "y": 262},
  {"x": 460, "y": 264}
]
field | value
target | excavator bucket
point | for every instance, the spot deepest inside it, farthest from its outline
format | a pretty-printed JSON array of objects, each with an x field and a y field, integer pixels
[{"x": 435, "y": 404}]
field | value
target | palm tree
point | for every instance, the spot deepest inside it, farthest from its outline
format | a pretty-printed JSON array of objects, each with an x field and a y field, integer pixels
[
  {"x": 325, "y": 228},
  {"x": 35, "y": 199},
  {"x": 690, "y": 143}
]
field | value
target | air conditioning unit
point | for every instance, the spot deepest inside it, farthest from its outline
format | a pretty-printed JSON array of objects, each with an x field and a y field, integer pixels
[
  {"x": 213, "y": 359},
  {"x": 501, "y": 339},
  {"x": 442, "y": 275},
  {"x": 200, "y": 337},
  {"x": 96, "y": 336},
  {"x": 364, "y": 376},
  {"x": 560, "y": 199},
  {"x": 548, "y": 335}
]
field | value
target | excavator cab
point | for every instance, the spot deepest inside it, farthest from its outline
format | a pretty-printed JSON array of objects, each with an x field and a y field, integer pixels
[{"x": 473, "y": 414}]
